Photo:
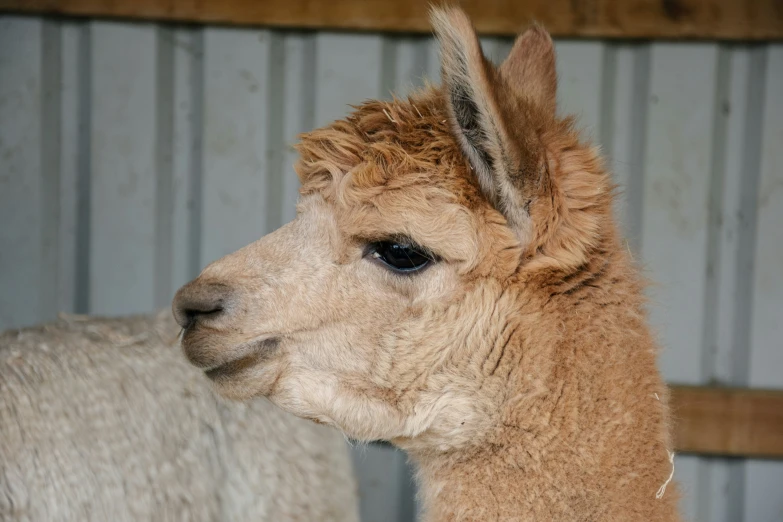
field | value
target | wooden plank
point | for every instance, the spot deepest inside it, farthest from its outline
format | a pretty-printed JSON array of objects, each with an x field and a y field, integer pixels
[
  {"x": 712, "y": 19},
  {"x": 737, "y": 422},
  {"x": 724, "y": 421}
]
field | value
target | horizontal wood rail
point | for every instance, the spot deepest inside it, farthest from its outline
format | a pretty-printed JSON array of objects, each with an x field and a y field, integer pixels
[
  {"x": 736, "y": 422},
  {"x": 667, "y": 19},
  {"x": 727, "y": 422}
]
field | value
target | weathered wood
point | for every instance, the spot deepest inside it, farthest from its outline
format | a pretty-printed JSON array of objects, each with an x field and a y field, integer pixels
[
  {"x": 728, "y": 421},
  {"x": 712, "y": 19}
]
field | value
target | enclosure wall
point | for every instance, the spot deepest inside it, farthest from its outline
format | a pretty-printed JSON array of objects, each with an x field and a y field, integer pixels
[{"x": 133, "y": 154}]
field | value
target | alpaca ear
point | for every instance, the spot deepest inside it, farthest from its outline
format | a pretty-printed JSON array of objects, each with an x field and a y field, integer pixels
[
  {"x": 473, "y": 91},
  {"x": 529, "y": 70}
]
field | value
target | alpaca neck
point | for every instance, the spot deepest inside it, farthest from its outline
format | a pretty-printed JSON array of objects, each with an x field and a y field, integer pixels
[
  {"x": 579, "y": 427},
  {"x": 576, "y": 455},
  {"x": 477, "y": 488},
  {"x": 520, "y": 474}
]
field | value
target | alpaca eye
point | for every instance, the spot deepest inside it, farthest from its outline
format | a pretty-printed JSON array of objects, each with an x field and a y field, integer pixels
[{"x": 399, "y": 257}]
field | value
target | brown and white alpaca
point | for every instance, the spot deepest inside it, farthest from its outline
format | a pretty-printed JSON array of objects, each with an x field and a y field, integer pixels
[{"x": 454, "y": 283}]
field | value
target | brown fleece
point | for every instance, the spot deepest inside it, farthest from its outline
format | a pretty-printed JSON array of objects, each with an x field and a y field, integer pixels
[{"x": 518, "y": 371}]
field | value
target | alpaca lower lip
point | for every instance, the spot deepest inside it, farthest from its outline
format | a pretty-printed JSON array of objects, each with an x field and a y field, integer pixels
[
  {"x": 261, "y": 352},
  {"x": 232, "y": 368}
]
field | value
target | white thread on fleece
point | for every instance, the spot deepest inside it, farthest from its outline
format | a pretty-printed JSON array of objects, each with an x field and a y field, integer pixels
[
  {"x": 389, "y": 116},
  {"x": 662, "y": 489}
]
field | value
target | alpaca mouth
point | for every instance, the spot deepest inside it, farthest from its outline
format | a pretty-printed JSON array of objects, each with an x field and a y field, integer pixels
[
  {"x": 261, "y": 351},
  {"x": 204, "y": 350},
  {"x": 232, "y": 368}
]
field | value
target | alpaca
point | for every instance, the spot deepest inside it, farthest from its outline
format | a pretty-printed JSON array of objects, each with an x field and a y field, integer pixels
[
  {"x": 454, "y": 283},
  {"x": 103, "y": 420}
]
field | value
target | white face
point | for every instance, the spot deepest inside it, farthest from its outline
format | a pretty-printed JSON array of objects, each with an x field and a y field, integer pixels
[
  {"x": 379, "y": 308},
  {"x": 341, "y": 318}
]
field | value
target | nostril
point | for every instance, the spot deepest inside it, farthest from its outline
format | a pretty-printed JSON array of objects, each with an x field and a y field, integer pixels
[
  {"x": 199, "y": 300},
  {"x": 192, "y": 315}
]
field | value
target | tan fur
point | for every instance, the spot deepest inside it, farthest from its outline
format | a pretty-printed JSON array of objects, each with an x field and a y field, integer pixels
[
  {"x": 518, "y": 370},
  {"x": 103, "y": 420}
]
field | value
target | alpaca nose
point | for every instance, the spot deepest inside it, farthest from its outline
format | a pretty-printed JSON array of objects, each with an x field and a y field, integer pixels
[{"x": 198, "y": 300}]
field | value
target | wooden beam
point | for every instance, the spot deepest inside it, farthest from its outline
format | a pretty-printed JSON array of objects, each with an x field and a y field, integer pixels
[
  {"x": 728, "y": 421},
  {"x": 701, "y": 19}
]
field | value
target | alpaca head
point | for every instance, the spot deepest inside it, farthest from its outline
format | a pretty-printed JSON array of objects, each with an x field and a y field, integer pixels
[{"x": 386, "y": 307}]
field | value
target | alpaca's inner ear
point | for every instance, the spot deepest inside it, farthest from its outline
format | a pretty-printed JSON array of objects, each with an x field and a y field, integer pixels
[
  {"x": 472, "y": 91},
  {"x": 529, "y": 70}
]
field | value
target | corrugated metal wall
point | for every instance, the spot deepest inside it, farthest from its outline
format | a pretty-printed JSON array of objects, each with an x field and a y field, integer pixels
[{"x": 133, "y": 154}]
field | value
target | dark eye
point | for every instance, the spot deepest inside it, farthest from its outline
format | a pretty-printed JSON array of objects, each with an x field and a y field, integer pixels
[{"x": 399, "y": 257}]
